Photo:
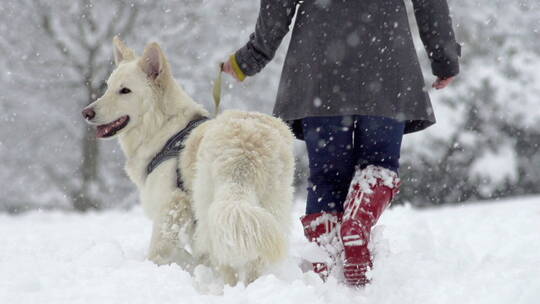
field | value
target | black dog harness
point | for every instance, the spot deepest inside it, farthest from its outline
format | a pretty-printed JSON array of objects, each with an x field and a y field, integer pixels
[{"x": 172, "y": 149}]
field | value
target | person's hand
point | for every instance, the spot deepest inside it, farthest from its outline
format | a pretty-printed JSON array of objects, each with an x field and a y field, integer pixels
[
  {"x": 442, "y": 83},
  {"x": 227, "y": 68}
]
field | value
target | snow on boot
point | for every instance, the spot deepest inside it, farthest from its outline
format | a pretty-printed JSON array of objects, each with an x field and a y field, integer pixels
[
  {"x": 321, "y": 228},
  {"x": 371, "y": 191}
]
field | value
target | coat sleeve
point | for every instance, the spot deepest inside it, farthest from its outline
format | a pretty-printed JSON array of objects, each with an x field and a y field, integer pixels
[
  {"x": 272, "y": 25},
  {"x": 437, "y": 34}
]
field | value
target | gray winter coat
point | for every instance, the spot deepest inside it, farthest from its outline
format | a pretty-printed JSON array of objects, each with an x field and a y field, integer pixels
[{"x": 352, "y": 57}]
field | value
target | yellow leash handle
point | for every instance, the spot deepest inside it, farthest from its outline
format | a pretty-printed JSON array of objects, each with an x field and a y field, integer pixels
[{"x": 216, "y": 92}]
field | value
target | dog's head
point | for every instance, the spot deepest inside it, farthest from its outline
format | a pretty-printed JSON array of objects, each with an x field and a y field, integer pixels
[{"x": 134, "y": 88}]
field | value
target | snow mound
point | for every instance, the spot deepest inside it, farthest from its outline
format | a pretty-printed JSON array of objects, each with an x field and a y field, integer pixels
[{"x": 480, "y": 253}]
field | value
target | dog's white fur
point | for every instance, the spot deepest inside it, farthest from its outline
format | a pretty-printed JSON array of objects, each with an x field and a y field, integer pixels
[{"x": 237, "y": 170}]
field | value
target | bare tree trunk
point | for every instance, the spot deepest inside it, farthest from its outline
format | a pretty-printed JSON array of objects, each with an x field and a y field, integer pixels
[
  {"x": 79, "y": 41},
  {"x": 83, "y": 199}
]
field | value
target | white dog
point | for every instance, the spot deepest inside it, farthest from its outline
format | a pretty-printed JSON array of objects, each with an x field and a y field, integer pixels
[{"x": 225, "y": 199}]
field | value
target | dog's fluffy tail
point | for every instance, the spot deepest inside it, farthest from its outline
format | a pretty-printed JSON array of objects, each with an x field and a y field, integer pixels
[{"x": 241, "y": 230}]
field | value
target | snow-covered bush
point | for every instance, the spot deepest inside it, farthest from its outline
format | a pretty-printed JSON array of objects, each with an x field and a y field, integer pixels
[{"x": 486, "y": 142}]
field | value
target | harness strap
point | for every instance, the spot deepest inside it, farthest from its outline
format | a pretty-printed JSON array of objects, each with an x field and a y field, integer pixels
[{"x": 172, "y": 149}]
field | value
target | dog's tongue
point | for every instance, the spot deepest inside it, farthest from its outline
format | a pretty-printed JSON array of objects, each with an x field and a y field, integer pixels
[
  {"x": 103, "y": 130},
  {"x": 110, "y": 129}
]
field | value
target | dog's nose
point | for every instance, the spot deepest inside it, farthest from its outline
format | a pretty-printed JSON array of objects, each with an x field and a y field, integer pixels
[{"x": 88, "y": 113}]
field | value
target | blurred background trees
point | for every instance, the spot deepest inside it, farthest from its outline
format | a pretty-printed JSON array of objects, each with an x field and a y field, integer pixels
[
  {"x": 486, "y": 142},
  {"x": 56, "y": 55}
]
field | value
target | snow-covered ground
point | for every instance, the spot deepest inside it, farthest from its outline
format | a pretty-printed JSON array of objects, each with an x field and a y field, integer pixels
[{"x": 480, "y": 253}]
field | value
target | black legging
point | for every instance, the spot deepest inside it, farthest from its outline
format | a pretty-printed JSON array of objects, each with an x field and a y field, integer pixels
[{"x": 335, "y": 145}]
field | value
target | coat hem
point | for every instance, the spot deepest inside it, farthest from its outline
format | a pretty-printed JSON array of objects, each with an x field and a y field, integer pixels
[{"x": 411, "y": 125}]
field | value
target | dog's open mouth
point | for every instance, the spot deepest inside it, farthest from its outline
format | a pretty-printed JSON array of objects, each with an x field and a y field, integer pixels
[{"x": 110, "y": 129}]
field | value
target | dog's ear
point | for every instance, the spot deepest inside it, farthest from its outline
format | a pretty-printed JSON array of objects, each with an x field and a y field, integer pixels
[
  {"x": 154, "y": 64},
  {"x": 121, "y": 51}
]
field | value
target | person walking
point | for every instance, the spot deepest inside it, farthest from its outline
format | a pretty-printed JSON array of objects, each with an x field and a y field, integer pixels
[{"x": 351, "y": 87}]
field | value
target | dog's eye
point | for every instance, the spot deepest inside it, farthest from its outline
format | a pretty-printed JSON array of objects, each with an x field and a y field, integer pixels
[{"x": 125, "y": 91}]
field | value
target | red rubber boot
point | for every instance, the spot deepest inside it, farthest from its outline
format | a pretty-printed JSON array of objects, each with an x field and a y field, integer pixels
[
  {"x": 321, "y": 228},
  {"x": 371, "y": 191}
]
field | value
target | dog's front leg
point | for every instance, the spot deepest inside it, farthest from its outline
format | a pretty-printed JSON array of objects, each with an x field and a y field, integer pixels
[{"x": 172, "y": 234}]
